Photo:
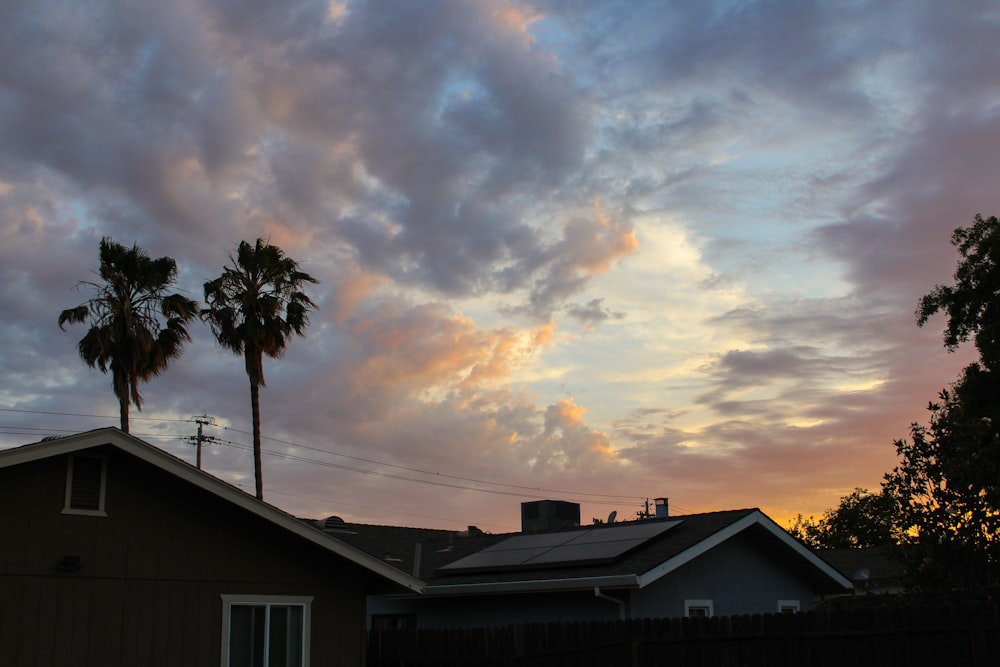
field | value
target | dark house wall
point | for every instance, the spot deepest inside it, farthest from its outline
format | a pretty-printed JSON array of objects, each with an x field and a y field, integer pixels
[{"x": 152, "y": 572}]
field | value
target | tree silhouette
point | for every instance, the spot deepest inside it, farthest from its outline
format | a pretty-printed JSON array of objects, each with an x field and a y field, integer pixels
[
  {"x": 862, "y": 519},
  {"x": 254, "y": 307},
  {"x": 135, "y": 329},
  {"x": 947, "y": 483},
  {"x": 973, "y": 302}
]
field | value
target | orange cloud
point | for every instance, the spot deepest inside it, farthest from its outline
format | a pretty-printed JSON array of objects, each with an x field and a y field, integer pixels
[
  {"x": 431, "y": 350},
  {"x": 545, "y": 335},
  {"x": 518, "y": 18},
  {"x": 352, "y": 288},
  {"x": 565, "y": 415},
  {"x": 598, "y": 247}
]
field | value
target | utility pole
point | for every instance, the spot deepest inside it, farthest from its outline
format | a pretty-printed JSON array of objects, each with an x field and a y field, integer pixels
[
  {"x": 644, "y": 513},
  {"x": 201, "y": 438}
]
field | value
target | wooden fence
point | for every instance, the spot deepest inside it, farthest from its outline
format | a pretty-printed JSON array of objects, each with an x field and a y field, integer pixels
[{"x": 912, "y": 635}]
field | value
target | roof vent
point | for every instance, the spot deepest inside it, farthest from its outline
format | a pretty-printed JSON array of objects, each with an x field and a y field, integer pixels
[{"x": 334, "y": 524}]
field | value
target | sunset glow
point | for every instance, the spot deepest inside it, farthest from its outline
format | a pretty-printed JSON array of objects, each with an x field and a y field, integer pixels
[{"x": 592, "y": 251}]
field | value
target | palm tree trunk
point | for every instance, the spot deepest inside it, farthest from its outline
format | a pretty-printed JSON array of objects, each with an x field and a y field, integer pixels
[
  {"x": 123, "y": 412},
  {"x": 120, "y": 386},
  {"x": 258, "y": 474}
]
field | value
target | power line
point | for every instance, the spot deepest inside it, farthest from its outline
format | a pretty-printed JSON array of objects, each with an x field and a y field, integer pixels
[
  {"x": 564, "y": 492},
  {"x": 430, "y": 472},
  {"x": 570, "y": 495},
  {"x": 395, "y": 511},
  {"x": 36, "y": 428},
  {"x": 378, "y": 473},
  {"x": 590, "y": 498},
  {"x": 74, "y": 414}
]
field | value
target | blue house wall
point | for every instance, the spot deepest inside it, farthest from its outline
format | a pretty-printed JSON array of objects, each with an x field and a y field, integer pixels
[{"x": 739, "y": 576}]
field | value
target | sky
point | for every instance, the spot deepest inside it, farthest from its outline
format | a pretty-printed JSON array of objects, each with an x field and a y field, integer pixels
[{"x": 591, "y": 251}]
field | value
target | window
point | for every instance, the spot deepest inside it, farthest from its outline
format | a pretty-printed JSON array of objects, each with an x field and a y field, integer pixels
[
  {"x": 265, "y": 631},
  {"x": 788, "y": 606},
  {"x": 85, "y": 485},
  {"x": 698, "y": 608}
]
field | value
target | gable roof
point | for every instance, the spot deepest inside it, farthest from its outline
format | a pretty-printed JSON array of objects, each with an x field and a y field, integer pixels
[
  {"x": 689, "y": 537},
  {"x": 223, "y": 490},
  {"x": 864, "y": 564}
]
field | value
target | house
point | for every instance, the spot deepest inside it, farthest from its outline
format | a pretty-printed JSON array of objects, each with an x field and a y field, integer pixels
[
  {"x": 715, "y": 563},
  {"x": 870, "y": 568},
  {"x": 117, "y": 553}
]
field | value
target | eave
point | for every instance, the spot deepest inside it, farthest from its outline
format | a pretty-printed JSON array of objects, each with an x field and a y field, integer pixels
[{"x": 534, "y": 586}]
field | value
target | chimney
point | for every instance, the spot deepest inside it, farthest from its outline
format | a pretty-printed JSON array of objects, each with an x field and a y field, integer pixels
[
  {"x": 662, "y": 507},
  {"x": 539, "y": 516}
]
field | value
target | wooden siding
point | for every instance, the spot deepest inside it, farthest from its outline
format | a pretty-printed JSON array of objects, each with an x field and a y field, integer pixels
[{"x": 153, "y": 571}]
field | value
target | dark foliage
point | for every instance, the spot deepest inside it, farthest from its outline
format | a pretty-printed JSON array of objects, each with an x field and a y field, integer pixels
[
  {"x": 862, "y": 519},
  {"x": 947, "y": 483}
]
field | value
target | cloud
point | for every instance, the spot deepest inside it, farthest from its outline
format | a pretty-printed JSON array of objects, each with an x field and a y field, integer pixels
[
  {"x": 587, "y": 249},
  {"x": 626, "y": 249},
  {"x": 592, "y": 313}
]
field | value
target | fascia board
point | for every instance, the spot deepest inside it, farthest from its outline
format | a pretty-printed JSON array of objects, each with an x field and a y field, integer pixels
[
  {"x": 529, "y": 586},
  {"x": 714, "y": 540},
  {"x": 175, "y": 466}
]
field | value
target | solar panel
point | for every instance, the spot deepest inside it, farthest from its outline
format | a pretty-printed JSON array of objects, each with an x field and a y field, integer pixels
[
  {"x": 573, "y": 547},
  {"x": 487, "y": 559},
  {"x": 595, "y": 552},
  {"x": 547, "y": 540},
  {"x": 631, "y": 531}
]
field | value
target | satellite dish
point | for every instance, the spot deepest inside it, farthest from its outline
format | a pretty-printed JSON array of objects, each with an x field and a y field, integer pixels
[{"x": 613, "y": 516}]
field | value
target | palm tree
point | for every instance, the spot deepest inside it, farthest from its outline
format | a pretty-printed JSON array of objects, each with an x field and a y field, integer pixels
[
  {"x": 254, "y": 307},
  {"x": 126, "y": 333}
]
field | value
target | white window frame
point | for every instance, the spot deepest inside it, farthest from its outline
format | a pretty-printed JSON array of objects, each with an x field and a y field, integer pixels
[
  {"x": 67, "y": 506},
  {"x": 304, "y": 601},
  {"x": 793, "y": 606},
  {"x": 699, "y": 604}
]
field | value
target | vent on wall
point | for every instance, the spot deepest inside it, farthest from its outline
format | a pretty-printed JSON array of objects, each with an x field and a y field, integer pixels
[
  {"x": 85, "y": 485},
  {"x": 85, "y": 491}
]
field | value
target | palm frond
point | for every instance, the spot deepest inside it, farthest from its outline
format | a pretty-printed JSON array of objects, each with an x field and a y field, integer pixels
[{"x": 74, "y": 315}]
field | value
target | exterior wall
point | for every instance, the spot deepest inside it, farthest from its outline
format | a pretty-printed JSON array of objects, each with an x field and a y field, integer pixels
[
  {"x": 153, "y": 571},
  {"x": 739, "y": 576}
]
